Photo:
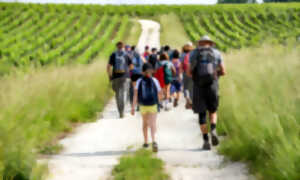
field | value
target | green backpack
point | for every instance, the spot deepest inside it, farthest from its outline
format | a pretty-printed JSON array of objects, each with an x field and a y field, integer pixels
[{"x": 167, "y": 74}]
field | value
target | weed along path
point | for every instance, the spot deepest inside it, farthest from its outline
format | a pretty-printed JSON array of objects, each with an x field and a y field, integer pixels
[{"x": 93, "y": 150}]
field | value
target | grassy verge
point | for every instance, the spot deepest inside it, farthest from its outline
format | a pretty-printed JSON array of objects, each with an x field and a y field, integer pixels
[
  {"x": 260, "y": 110},
  {"x": 140, "y": 165},
  {"x": 38, "y": 106},
  {"x": 134, "y": 31},
  {"x": 172, "y": 31}
]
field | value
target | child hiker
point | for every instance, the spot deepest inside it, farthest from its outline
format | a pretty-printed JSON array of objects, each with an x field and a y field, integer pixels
[{"x": 147, "y": 93}]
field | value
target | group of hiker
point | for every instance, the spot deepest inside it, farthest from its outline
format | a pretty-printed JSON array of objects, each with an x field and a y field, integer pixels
[{"x": 157, "y": 77}]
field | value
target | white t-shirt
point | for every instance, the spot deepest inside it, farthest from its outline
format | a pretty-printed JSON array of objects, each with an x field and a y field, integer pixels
[{"x": 154, "y": 80}]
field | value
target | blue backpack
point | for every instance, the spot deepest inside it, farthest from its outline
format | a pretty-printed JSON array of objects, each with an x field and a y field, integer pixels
[
  {"x": 147, "y": 92},
  {"x": 120, "y": 65},
  {"x": 138, "y": 63}
]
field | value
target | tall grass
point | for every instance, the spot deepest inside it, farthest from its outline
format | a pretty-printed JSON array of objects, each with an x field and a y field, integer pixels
[
  {"x": 260, "y": 110},
  {"x": 36, "y": 106}
]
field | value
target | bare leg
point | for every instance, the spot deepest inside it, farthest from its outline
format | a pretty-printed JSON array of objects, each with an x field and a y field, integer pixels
[
  {"x": 145, "y": 128},
  {"x": 213, "y": 123},
  {"x": 152, "y": 124},
  {"x": 213, "y": 118},
  {"x": 203, "y": 129}
]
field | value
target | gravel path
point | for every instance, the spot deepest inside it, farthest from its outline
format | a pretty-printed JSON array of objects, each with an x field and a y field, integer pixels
[{"x": 92, "y": 151}]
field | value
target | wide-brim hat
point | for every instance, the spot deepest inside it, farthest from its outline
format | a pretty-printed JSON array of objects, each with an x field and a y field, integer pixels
[{"x": 206, "y": 39}]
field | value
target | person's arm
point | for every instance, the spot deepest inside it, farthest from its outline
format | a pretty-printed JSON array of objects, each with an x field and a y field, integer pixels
[
  {"x": 221, "y": 65},
  {"x": 130, "y": 64},
  {"x": 173, "y": 69},
  {"x": 109, "y": 67},
  {"x": 222, "y": 70}
]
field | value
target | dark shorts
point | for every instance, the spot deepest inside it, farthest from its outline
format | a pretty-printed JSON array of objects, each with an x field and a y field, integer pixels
[
  {"x": 135, "y": 77},
  {"x": 175, "y": 86},
  {"x": 206, "y": 98}
]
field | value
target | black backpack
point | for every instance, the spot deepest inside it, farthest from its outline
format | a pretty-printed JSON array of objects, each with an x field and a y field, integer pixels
[
  {"x": 147, "y": 92},
  {"x": 153, "y": 59},
  {"x": 204, "y": 73}
]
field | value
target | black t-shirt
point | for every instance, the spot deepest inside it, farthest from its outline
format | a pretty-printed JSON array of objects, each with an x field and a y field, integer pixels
[{"x": 112, "y": 61}]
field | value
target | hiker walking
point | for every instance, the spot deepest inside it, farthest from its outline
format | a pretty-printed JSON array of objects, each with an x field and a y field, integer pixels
[
  {"x": 164, "y": 74},
  {"x": 146, "y": 52},
  {"x": 136, "y": 72},
  {"x": 118, "y": 71},
  {"x": 177, "y": 79},
  {"x": 206, "y": 65},
  {"x": 187, "y": 80},
  {"x": 147, "y": 94},
  {"x": 153, "y": 57}
]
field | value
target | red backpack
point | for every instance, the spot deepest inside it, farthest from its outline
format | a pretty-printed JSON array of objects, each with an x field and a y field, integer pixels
[{"x": 160, "y": 76}]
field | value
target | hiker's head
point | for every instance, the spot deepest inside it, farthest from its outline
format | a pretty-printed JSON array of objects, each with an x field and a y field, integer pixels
[
  {"x": 187, "y": 47},
  {"x": 146, "y": 48},
  {"x": 120, "y": 45},
  {"x": 163, "y": 56},
  {"x": 147, "y": 69},
  {"x": 176, "y": 54},
  {"x": 133, "y": 48},
  {"x": 128, "y": 48},
  {"x": 153, "y": 50},
  {"x": 205, "y": 41},
  {"x": 166, "y": 48}
]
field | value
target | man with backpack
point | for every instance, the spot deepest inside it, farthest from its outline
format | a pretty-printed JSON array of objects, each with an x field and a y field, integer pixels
[
  {"x": 147, "y": 94},
  {"x": 136, "y": 72},
  {"x": 206, "y": 65},
  {"x": 118, "y": 69}
]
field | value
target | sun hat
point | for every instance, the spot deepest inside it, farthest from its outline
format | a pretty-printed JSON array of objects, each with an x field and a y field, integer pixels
[{"x": 206, "y": 38}]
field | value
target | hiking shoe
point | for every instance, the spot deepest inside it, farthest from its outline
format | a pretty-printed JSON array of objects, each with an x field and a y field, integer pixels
[
  {"x": 188, "y": 105},
  {"x": 214, "y": 139},
  {"x": 154, "y": 147},
  {"x": 206, "y": 145},
  {"x": 121, "y": 115},
  {"x": 145, "y": 145},
  {"x": 175, "y": 103}
]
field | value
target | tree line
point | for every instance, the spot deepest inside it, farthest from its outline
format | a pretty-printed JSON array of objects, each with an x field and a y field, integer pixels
[{"x": 254, "y": 1}]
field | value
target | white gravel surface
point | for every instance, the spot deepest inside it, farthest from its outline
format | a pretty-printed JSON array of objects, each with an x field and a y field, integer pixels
[{"x": 91, "y": 152}]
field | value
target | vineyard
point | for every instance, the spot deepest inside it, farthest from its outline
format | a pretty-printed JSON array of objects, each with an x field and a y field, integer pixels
[
  {"x": 43, "y": 37},
  {"x": 237, "y": 29},
  {"x": 61, "y": 34},
  {"x": 37, "y": 106}
]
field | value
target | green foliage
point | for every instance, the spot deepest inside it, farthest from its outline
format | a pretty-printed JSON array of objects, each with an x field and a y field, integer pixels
[
  {"x": 37, "y": 106},
  {"x": 268, "y": 1},
  {"x": 236, "y": 1},
  {"x": 260, "y": 110},
  {"x": 140, "y": 165},
  {"x": 235, "y": 27}
]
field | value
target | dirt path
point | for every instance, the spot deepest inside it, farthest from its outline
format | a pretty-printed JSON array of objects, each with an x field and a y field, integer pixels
[{"x": 94, "y": 149}]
